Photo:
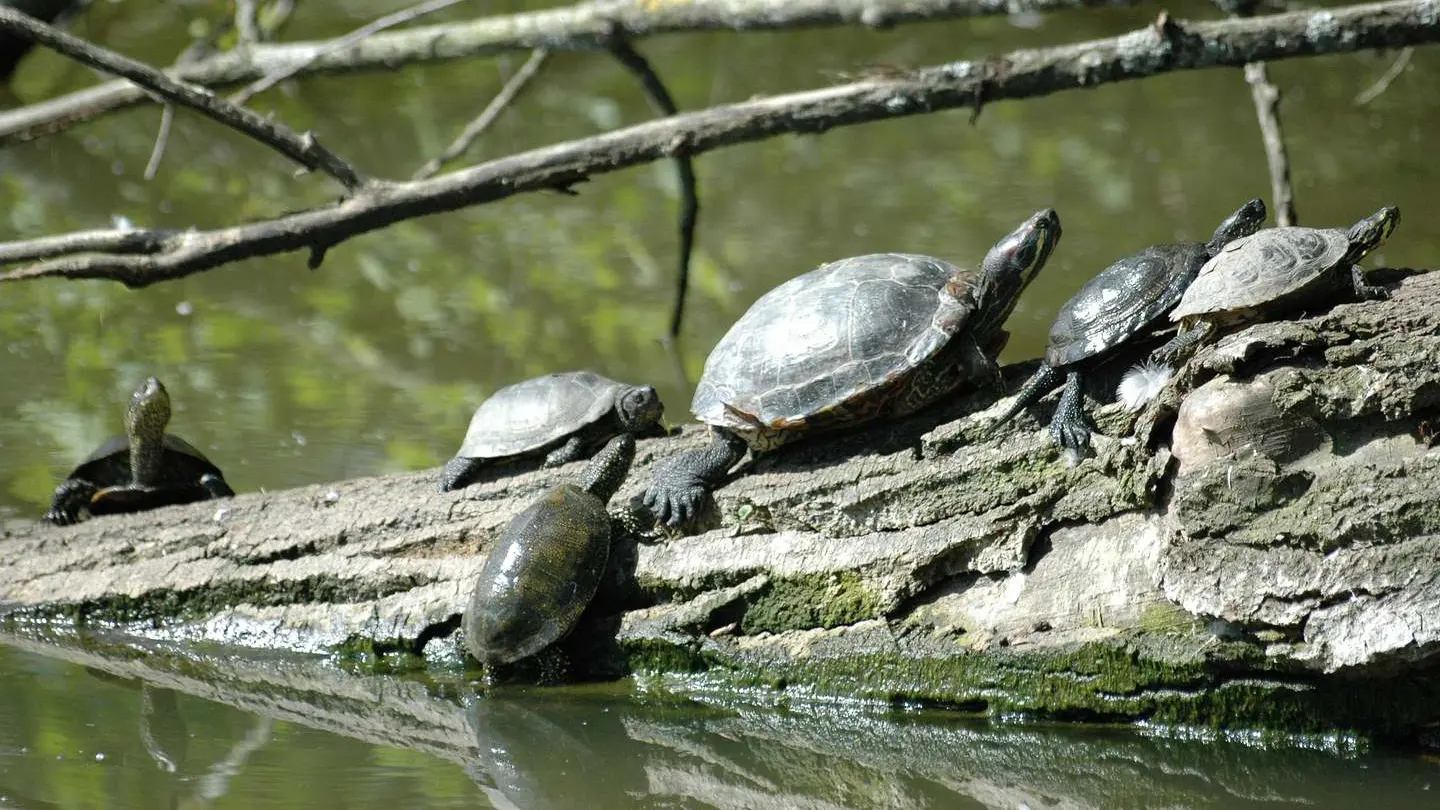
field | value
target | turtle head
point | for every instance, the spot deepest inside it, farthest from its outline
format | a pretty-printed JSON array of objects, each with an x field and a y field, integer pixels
[
  {"x": 1010, "y": 266},
  {"x": 149, "y": 412},
  {"x": 1372, "y": 231},
  {"x": 1246, "y": 220},
  {"x": 640, "y": 410}
]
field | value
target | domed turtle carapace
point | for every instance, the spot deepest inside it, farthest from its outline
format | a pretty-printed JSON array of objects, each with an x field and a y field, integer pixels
[
  {"x": 567, "y": 416},
  {"x": 544, "y": 570},
  {"x": 852, "y": 341}
]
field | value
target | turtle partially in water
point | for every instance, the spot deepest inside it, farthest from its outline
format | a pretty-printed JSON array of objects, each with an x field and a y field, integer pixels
[
  {"x": 1121, "y": 301},
  {"x": 144, "y": 469},
  {"x": 565, "y": 416},
  {"x": 544, "y": 570},
  {"x": 1275, "y": 270},
  {"x": 853, "y": 341}
]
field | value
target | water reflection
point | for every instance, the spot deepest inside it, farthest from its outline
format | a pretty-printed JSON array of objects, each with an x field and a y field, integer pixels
[{"x": 81, "y": 727}]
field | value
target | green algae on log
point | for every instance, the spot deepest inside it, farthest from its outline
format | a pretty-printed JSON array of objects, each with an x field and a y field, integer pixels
[{"x": 1219, "y": 579}]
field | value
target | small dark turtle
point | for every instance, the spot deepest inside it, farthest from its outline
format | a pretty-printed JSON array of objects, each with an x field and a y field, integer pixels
[
  {"x": 1275, "y": 270},
  {"x": 567, "y": 416},
  {"x": 545, "y": 568},
  {"x": 144, "y": 469},
  {"x": 853, "y": 341},
  {"x": 1120, "y": 302}
]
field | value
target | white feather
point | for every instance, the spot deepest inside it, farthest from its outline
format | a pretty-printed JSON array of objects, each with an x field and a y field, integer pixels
[{"x": 1142, "y": 383}]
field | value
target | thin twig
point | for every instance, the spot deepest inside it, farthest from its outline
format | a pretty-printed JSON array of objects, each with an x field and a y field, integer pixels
[
  {"x": 1267, "y": 104},
  {"x": 247, "y": 28},
  {"x": 488, "y": 116},
  {"x": 1145, "y": 52},
  {"x": 369, "y": 29},
  {"x": 302, "y": 149},
  {"x": 162, "y": 139},
  {"x": 587, "y": 25},
  {"x": 1383, "y": 83},
  {"x": 684, "y": 168}
]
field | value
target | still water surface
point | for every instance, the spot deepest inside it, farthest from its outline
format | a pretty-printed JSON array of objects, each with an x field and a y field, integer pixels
[
  {"x": 373, "y": 364},
  {"x": 75, "y": 736}
]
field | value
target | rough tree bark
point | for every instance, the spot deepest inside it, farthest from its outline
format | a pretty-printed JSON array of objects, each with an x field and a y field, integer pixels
[{"x": 1270, "y": 562}]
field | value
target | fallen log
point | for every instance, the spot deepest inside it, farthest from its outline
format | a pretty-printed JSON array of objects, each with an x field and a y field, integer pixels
[{"x": 1227, "y": 572}]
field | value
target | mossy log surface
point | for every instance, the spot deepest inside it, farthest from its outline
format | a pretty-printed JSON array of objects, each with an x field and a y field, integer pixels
[{"x": 1268, "y": 560}]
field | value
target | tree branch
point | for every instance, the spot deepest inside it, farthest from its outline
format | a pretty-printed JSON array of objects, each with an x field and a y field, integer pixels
[
  {"x": 1267, "y": 110},
  {"x": 1020, "y": 74},
  {"x": 585, "y": 26},
  {"x": 487, "y": 117},
  {"x": 684, "y": 168},
  {"x": 401, "y": 17},
  {"x": 302, "y": 149}
]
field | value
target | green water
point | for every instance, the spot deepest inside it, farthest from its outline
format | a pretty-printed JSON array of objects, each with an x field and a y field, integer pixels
[
  {"x": 80, "y": 736},
  {"x": 374, "y": 363}
]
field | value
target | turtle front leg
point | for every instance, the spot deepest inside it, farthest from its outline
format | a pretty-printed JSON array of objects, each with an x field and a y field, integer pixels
[
  {"x": 680, "y": 483},
  {"x": 1068, "y": 426},
  {"x": 572, "y": 450},
  {"x": 460, "y": 472},
  {"x": 69, "y": 498},
  {"x": 1364, "y": 290},
  {"x": 1042, "y": 382},
  {"x": 1183, "y": 344},
  {"x": 216, "y": 486}
]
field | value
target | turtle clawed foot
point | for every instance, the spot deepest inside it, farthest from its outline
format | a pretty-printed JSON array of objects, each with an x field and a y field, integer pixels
[
  {"x": 1074, "y": 437},
  {"x": 675, "y": 504},
  {"x": 60, "y": 517},
  {"x": 1372, "y": 292}
]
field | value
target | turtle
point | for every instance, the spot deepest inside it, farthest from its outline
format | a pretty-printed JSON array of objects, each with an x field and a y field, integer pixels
[
  {"x": 852, "y": 341},
  {"x": 1274, "y": 270},
  {"x": 1121, "y": 301},
  {"x": 144, "y": 469},
  {"x": 566, "y": 416},
  {"x": 547, "y": 565}
]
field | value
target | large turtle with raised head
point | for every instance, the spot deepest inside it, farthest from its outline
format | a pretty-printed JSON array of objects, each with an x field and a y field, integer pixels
[
  {"x": 856, "y": 340},
  {"x": 565, "y": 416},
  {"x": 544, "y": 570},
  {"x": 1120, "y": 302},
  {"x": 1274, "y": 270},
  {"x": 144, "y": 469}
]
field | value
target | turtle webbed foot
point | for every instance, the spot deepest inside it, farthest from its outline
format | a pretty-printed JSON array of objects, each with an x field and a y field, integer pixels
[
  {"x": 1364, "y": 290},
  {"x": 459, "y": 472},
  {"x": 675, "y": 495},
  {"x": 1074, "y": 436},
  {"x": 216, "y": 486},
  {"x": 70, "y": 497},
  {"x": 572, "y": 450}
]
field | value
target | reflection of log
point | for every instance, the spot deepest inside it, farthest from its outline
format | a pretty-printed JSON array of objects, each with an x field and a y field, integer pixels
[
  {"x": 547, "y": 750},
  {"x": 887, "y": 563},
  {"x": 140, "y": 258}
]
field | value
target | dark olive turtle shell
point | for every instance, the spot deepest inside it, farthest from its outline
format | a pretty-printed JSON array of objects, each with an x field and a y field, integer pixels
[
  {"x": 842, "y": 339},
  {"x": 539, "y": 577},
  {"x": 1121, "y": 300},
  {"x": 535, "y": 414},
  {"x": 109, "y": 465},
  {"x": 181, "y": 467}
]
